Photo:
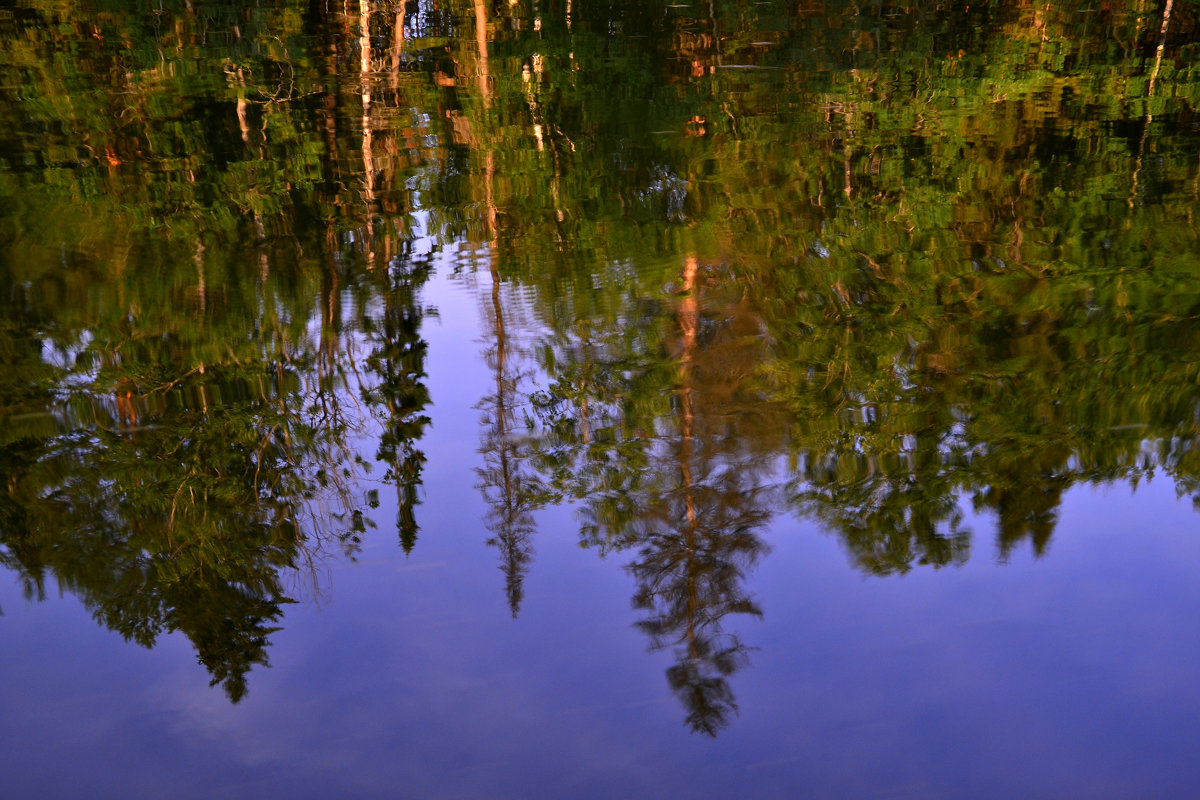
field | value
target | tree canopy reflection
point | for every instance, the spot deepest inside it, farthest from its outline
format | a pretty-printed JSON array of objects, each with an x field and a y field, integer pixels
[
  {"x": 867, "y": 265},
  {"x": 201, "y": 321},
  {"x": 941, "y": 281}
]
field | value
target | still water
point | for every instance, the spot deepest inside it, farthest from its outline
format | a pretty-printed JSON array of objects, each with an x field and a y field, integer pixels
[{"x": 471, "y": 399}]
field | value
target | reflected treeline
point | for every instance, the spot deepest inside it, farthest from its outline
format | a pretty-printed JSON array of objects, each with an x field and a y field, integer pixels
[
  {"x": 870, "y": 264},
  {"x": 210, "y": 298},
  {"x": 874, "y": 266},
  {"x": 971, "y": 284}
]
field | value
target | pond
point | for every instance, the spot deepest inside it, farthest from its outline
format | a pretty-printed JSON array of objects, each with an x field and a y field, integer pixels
[{"x": 548, "y": 398}]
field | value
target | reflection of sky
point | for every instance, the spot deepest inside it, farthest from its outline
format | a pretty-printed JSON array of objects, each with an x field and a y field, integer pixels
[{"x": 1073, "y": 675}]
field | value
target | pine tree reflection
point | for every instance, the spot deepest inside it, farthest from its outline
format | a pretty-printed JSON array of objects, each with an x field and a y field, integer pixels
[
  {"x": 697, "y": 539},
  {"x": 511, "y": 490},
  {"x": 398, "y": 361},
  {"x": 672, "y": 463},
  {"x": 695, "y": 544}
]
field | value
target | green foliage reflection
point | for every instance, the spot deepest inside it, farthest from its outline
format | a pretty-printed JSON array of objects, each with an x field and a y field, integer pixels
[{"x": 874, "y": 265}]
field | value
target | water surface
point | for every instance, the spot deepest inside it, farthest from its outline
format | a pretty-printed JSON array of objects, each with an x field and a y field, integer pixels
[{"x": 490, "y": 400}]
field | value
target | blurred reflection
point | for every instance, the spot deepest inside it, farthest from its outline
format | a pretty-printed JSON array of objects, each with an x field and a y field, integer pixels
[
  {"x": 511, "y": 490},
  {"x": 863, "y": 266},
  {"x": 182, "y": 321},
  {"x": 664, "y": 466},
  {"x": 696, "y": 532},
  {"x": 397, "y": 360}
]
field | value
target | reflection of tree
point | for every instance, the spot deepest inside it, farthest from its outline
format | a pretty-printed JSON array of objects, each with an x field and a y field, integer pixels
[
  {"x": 695, "y": 541},
  {"x": 1025, "y": 494},
  {"x": 511, "y": 491},
  {"x": 183, "y": 521},
  {"x": 511, "y": 496},
  {"x": 185, "y": 505},
  {"x": 887, "y": 520},
  {"x": 398, "y": 360},
  {"x": 666, "y": 463},
  {"x": 697, "y": 536},
  {"x": 175, "y": 428}
]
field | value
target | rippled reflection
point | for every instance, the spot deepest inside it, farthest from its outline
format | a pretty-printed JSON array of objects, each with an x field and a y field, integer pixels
[{"x": 867, "y": 265}]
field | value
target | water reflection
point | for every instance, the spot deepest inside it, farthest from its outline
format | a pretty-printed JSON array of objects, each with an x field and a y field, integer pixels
[
  {"x": 178, "y": 517},
  {"x": 865, "y": 267},
  {"x": 186, "y": 311},
  {"x": 697, "y": 531},
  {"x": 398, "y": 393},
  {"x": 511, "y": 490}
]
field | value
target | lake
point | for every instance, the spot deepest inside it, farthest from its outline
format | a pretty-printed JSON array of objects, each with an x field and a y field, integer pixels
[{"x": 558, "y": 399}]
